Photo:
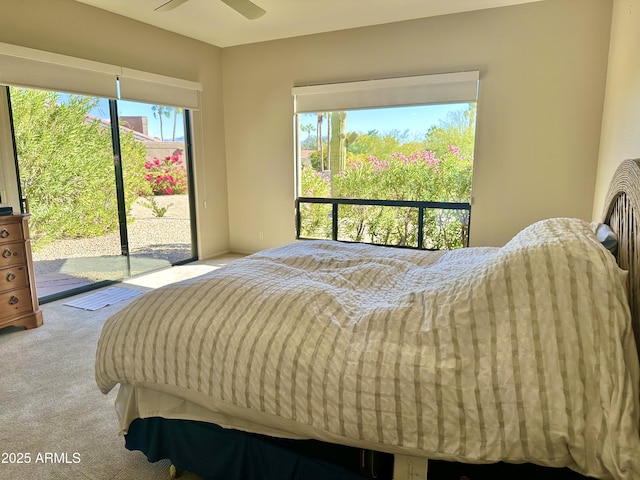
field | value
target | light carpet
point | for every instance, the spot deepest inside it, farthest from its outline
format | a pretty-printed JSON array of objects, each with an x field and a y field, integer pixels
[{"x": 53, "y": 418}]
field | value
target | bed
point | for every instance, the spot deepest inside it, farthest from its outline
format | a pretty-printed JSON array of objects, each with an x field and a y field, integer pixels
[{"x": 321, "y": 359}]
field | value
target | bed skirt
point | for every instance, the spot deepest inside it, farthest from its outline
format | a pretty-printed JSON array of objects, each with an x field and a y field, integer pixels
[{"x": 215, "y": 453}]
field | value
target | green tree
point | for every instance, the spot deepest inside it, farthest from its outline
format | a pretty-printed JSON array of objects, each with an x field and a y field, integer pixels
[
  {"x": 372, "y": 143},
  {"x": 319, "y": 146},
  {"x": 395, "y": 166},
  {"x": 337, "y": 156},
  {"x": 308, "y": 128},
  {"x": 67, "y": 168},
  {"x": 176, "y": 111},
  {"x": 458, "y": 129},
  {"x": 160, "y": 111}
]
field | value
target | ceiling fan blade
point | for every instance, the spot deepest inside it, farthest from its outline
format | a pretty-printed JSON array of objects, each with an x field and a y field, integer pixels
[
  {"x": 245, "y": 7},
  {"x": 170, "y": 5}
]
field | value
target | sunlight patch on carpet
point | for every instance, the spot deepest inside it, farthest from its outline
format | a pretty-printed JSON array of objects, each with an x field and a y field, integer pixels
[{"x": 105, "y": 297}]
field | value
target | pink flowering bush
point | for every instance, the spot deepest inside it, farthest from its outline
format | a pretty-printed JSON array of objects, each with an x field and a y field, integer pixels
[
  {"x": 167, "y": 176},
  {"x": 419, "y": 175}
]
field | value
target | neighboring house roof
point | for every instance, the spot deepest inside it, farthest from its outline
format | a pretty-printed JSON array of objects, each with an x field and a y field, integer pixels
[
  {"x": 137, "y": 135},
  {"x": 305, "y": 156}
]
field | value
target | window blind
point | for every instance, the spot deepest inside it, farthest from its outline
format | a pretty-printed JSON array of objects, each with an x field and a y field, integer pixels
[
  {"x": 26, "y": 67},
  {"x": 159, "y": 89},
  {"x": 31, "y": 68},
  {"x": 459, "y": 87}
]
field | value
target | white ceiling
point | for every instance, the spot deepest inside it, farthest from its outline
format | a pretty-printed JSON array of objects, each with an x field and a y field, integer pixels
[{"x": 213, "y": 22}]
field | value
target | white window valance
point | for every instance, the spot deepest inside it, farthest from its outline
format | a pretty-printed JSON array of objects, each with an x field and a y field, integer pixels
[
  {"x": 31, "y": 68},
  {"x": 148, "y": 87},
  {"x": 459, "y": 87}
]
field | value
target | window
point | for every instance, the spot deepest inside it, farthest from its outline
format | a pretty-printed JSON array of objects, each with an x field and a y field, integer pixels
[
  {"x": 103, "y": 164},
  {"x": 93, "y": 219},
  {"x": 395, "y": 168}
]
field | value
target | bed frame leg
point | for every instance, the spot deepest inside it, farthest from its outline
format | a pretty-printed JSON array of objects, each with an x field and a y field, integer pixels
[{"x": 174, "y": 472}]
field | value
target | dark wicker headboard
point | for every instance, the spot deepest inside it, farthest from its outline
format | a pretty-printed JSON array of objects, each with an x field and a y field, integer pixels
[{"x": 622, "y": 214}]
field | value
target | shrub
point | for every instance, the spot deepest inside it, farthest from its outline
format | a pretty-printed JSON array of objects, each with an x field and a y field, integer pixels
[
  {"x": 67, "y": 168},
  {"x": 315, "y": 218},
  {"x": 419, "y": 175},
  {"x": 168, "y": 176}
]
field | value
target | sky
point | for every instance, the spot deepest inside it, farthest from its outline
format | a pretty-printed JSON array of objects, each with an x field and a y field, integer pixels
[
  {"x": 127, "y": 108},
  {"x": 415, "y": 120}
]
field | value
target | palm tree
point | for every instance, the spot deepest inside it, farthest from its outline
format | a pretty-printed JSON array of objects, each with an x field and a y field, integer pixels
[
  {"x": 176, "y": 112},
  {"x": 160, "y": 111},
  {"x": 308, "y": 129},
  {"x": 319, "y": 140}
]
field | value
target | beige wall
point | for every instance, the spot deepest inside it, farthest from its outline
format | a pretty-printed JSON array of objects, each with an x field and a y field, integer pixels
[
  {"x": 621, "y": 119},
  {"x": 72, "y": 28},
  {"x": 542, "y": 68}
]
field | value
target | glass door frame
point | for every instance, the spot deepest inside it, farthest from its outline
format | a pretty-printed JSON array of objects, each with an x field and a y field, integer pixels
[{"x": 119, "y": 180}]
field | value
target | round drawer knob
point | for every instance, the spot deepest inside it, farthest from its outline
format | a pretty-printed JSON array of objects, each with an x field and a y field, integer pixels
[
  {"x": 13, "y": 300},
  {"x": 11, "y": 277}
]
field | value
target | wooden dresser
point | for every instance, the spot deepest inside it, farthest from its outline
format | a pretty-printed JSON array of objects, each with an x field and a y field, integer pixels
[{"x": 18, "y": 298}]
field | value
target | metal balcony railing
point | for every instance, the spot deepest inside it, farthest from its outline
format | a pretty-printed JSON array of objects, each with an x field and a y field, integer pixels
[{"x": 421, "y": 207}]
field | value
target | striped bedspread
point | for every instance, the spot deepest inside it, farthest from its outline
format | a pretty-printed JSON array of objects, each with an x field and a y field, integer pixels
[{"x": 522, "y": 353}]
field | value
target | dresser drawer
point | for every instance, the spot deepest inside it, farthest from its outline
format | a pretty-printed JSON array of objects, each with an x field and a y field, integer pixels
[
  {"x": 12, "y": 254},
  {"x": 11, "y": 232},
  {"x": 13, "y": 277},
  {"x": 16, "y": 301}
]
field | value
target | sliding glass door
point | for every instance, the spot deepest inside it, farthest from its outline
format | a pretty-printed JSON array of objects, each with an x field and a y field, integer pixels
[
  {"x": 65, "y": 164},
  {"x": 105, "y": 203},
  {"x": 159, "y": 222}
]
